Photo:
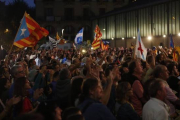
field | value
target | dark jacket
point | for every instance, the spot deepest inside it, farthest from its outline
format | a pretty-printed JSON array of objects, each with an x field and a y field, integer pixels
[
  {"x": 95, "y": 110},
  {"x": 126, "y": 112},
  {"x": 62, "y": 93}
]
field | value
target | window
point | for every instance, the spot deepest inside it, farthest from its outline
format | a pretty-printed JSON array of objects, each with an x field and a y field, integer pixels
[
  {"x": 68, "y": 13},
  {"x": 86, "y": 13},
  {"x": 49, "y": 11}
]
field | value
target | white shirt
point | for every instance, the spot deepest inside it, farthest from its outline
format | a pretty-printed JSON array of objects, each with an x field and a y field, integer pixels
[
  {"x": 38, "y": 61},
  {"x": 155, "y": 109}
]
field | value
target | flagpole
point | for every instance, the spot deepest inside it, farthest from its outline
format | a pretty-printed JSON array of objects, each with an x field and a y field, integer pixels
[{"x": 14, "y": 39}]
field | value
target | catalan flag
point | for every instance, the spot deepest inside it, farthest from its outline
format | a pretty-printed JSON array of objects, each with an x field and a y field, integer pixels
[
  {"x": 103, "y": 46},
  {"x": 29, "y": 32},
  {"x": 97, "y": 39}
]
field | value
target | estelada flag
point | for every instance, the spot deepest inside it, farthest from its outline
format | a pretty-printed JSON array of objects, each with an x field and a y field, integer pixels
[
  {"x": 29, "y": 32},
  {"x": 97, "y": 38},
  {"x": 103, "y": 46}
]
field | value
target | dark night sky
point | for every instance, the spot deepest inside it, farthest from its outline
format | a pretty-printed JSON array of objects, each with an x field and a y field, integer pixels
[{"x": 29, "y": 2}]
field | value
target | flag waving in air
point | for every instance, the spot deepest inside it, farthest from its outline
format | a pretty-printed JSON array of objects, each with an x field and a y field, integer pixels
[
  {"x": 140, "y": 50},
  {"x": 171, "y": 42},
  {"x": 79, "y": 37},
  {"x": 97, "y": 38},
  {"x": 29, "y": 32}
]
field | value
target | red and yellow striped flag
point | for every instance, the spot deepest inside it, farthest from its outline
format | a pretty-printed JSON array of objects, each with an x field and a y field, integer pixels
[
  {"x": 29, "y": 32},
  {"x": 97, "y": 39}
]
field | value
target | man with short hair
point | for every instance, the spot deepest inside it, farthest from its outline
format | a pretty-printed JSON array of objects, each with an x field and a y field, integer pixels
[
  {"x": 161, "y": 72},
  {"x": 17, "y": 71},
  {"x": 156, "y": 108}
]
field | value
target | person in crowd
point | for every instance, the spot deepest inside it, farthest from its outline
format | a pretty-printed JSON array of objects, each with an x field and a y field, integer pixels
[
  {"x": 5, "y": 84},
  {"x": 49, "y": 110},
  {"x": 38, "y": 60},
  {"x": 124, "y": 108},
  {"x": 63, "y": 88},
  {"x": 21, "y": 88},
  {"x": 31, "y": 63},
  {"x": 90, "y": 105},
  {"x": 4, "y": 72},
  {"x": 54, "y": 81},
  {"x": 156, "y": 108},
  {"x": 76, "y": 90},
  {"x": 161, "y": 72},
  {"x": 16, "y": 72},
  {"x": 173, "y": 80},
  {"x": 40, "y": 79},
  {"x": 135, "y": 79},
  {"x": 151, "y": 62},
  {"x": 100, "y": 58}
]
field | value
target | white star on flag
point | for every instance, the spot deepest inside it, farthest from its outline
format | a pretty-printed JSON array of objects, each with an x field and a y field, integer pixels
[{"x": 23, "y": 31}]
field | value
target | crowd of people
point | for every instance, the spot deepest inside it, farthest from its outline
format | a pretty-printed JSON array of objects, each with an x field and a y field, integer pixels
[{"x": 96, "y": 85}]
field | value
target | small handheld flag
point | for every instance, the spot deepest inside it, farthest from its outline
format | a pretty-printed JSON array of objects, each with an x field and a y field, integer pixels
[{"x": 79, "y": 37}]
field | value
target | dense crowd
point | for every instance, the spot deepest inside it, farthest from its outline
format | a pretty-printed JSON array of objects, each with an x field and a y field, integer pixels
[{"x": 93, "y": 85}]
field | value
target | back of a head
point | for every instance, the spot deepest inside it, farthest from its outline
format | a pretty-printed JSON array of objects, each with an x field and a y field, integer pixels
[
  {"x": 132, "y": 66},
  {"x": 64, "y": 74},
  {"x": 121, "y": 90},
  {"x": 88, "y": 85},
  {"x": 69, "y": 112},
  {"x": 47, "y": 109},
  {"x": 19, "y": 86},
  {"x": 76, "y": 117},
  {"x": 154, "y": 87},
  {"x": 170, "y": 67},
  {"x": 14, "y": 70},
  {"x": 157, "y": 70}
]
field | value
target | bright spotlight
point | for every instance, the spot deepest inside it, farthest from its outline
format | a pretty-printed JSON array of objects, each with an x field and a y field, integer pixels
[
  {"x": 149, "y": 38},
  {"x": 134, "y": 37},
  {"x": 92, "y": 48},
  {"x": 83, "y": 50},
  {"x": 122, "y": 38},
  {"x": 104, "y": 29},
  {"x": 178, "y": 34},
  {"x": 164, "y": 36},
  {"x": 112, "y": 38}
]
